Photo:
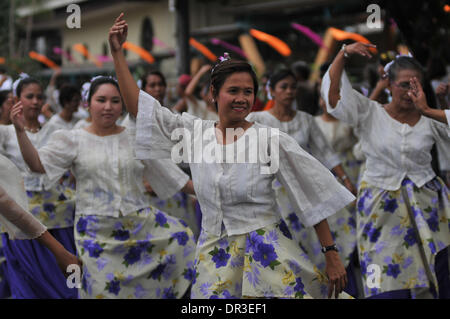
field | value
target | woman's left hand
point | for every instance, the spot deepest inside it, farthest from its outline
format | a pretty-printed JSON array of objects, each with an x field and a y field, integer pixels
[
  {"x": 417, "y": 95},
  {"x": 337, "y": 275}
]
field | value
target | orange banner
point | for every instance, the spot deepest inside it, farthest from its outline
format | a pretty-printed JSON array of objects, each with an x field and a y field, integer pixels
[
  {"x": 273, "y": 41},
  {"x": 85, "y": 52},
  {"x": 204, "y": 50},
  {"x": 344, "y": 35},
  {"x": 144, "y": 54},
  {"x": 43, "y": 59}
]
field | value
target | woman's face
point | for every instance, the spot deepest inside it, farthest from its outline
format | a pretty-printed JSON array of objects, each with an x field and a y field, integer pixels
[
  {"x": 236, "y": 97},
  {"x": 7, "y": 104},
  {"x": 155, "y": 87},
  {"x": 32, "y": 101},
  {"x": 400, "y": 86},
  {"x": 72, "y": 105},
  {"x": 284, "y": 91},
  {"x": 105, "y": 106}
]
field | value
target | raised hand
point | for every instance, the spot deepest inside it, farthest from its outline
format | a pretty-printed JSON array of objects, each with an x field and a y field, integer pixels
[
  {"x": 17, "y": 117},
  {"x": 118, "y": 34},
  {"x": 417, "y": 95},
  {"x": 360, "y": 48}
]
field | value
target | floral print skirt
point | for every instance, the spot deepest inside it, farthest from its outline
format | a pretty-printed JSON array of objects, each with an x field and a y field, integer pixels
[
  {"x": 342, "y": 226},
  {"x": 146, "y": 254},
  {"x": 55, "y": 208},
  {"x": 351, "y": 165},
  {"x": 266, "y": 263},
  {"x": 180, "y": 206},
  {"x": 389, "y": 240}
]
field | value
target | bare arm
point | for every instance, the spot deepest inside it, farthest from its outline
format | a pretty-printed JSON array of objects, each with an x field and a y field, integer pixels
[
  {"x": 334, "y": 268},
  {"x": 29, "y": 152},
  {"x": 181, "y": 105},
  {"x": 339, "y": 171},
  {"x": 338, "y": 66},
  {"x": 189, "y": 91},
  {"x": 189, "y": 188},
  {"x": 127, "y": 84}
]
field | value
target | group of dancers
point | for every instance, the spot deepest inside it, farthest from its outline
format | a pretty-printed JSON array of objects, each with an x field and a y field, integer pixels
[{"x": 104, "y": 193}]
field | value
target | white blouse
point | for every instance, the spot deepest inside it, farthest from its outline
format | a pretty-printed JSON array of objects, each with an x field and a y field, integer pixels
[
  {"x": 60, "y": 123},
  {"x": 238, "y": 195},
  {"x": 393, "y": 150},
  {"x": 198, "y": 108},
  {"x": 338, "y": 134},
  {"x": 109, "y": 179},
  {"x": 14, "y": 215},
  {"x": 81, "y": 123},
  {"x": 305, "y": 131},
  {"x": 9, "y": 146}
]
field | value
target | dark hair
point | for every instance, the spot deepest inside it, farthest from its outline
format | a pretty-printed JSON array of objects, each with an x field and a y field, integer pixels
[
  {"x": 301, "y": 69},
  {"x": 223, "y": 70},
  {"x": 155, "y": 72},
  {"x": 25, "y": 82},
  {"x": 404, "y": 63},
  {"x": 67, "y": 92},
  {"x": 98, "y": 82},
  {"x": 3, "y": 96},
  {"x": 280, "y": 75}
]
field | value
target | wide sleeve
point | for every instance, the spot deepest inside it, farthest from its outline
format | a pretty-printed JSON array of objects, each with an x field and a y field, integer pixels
[
  {"x": 352, "y": 108},
  {"x": 155, "y": 126},
  {"x": 320, "y": 148},
  {"x": 58, "y": 155},
  {"x": 165, "y": 177},
  {"x": 441, "y": 134},
  {"x": 14, "y": 204},
  {"x": 314, "y": 192}
]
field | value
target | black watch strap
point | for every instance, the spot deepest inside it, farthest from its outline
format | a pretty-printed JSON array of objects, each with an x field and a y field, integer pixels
[{"x": 328, "y": 248}]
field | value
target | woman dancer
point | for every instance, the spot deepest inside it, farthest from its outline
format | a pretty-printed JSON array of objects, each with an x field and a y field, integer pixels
[
  {"x": 6, "y": 103},
  {"x": 302, "y": 127},
  {"x": 403, "y": 207},
  {"x": 245, "y": 249},
  {"x": 32, "y": 269},
  {"x": 129, "y": 249}
]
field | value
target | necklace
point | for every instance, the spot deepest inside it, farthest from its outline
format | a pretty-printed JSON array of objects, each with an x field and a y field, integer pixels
[{"x": 32, "y": 130}]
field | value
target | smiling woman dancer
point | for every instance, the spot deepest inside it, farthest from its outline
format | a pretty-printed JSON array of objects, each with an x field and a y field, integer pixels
[
  {"x": 129, "y": 249},
  {"x": 244, "y": 249},
  {"x": 403, "y": 207}
]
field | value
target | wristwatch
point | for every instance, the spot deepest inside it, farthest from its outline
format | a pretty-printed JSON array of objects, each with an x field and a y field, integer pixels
[
  {"x": 328, "y": 248},
  {"x": 345, "y": 52}
]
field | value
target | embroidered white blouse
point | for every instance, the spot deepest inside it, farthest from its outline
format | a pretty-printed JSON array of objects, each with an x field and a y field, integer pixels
[
  {"x": 9, "y": 147},
  {"x": 238, "y": 195},
  {"x": 109, "y": 179},
  {"x": 393, "y": 150},
  {"x": 305, "y": 131}
]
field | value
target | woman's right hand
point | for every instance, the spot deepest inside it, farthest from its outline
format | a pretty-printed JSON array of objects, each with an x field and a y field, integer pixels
[
  {"x": 118, "y": 34},
  {"x": 17, "y": 117},
  {"x": 360, "y": 48}
]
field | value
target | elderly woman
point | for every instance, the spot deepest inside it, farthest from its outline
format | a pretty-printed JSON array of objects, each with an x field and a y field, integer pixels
[{"x": 403, "y": 207}]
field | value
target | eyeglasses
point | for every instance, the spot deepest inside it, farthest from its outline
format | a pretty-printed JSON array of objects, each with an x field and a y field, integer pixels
[{"x": 403, "y": 85}]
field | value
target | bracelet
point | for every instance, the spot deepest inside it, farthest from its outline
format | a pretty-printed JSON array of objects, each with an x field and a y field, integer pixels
[
  {"x": 345, "y": 52},
  {"x": 328, "y": 248}
]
